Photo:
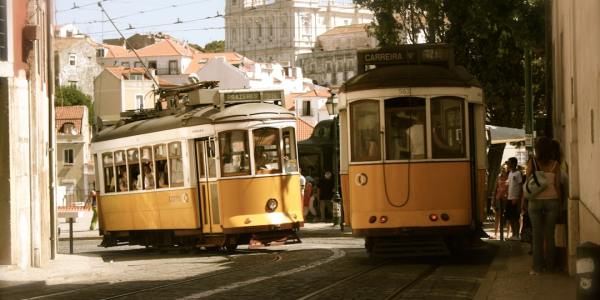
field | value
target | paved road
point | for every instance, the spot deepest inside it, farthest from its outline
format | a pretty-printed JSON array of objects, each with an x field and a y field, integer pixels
[{"x": 328, "y": 267}]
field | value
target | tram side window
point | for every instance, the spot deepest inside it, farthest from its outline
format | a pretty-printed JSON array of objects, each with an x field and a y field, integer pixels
[
  {"x": 405, "y": 133},
  {"x": 162, "y": 168},
  {"x": 109, "y": 172},
  {"x": 147, "y": 168},
  {"x": 290, "y": 162},
  {"x": 365, "y": 141},
  {"x": 176, "y": 164},
  {"x": 121, "y": 165},
  {"x": 133, "y": 168},
  {"x": 212, "y": 160},
  {"x": 447, "y": 127},
  {"x": 266, "y": 150},
  {"x": 233, "y": 149}
]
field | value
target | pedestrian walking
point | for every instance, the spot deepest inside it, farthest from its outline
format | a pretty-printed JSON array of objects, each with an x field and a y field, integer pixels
[
  {"x": 309, "y": 199},
  {"x": 325, "y": 195},
  {"x": 94, "y": 209},
  {"x": 499, "y": 201},
  {"x": 513, "y": 205},
  {"x": 544, "y": 208}
]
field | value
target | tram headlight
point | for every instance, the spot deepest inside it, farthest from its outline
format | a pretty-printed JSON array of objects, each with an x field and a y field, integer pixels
[
  {"x": 445, "y": 217},
  {"x": 383, "y": 219},
  {"x": 433, "y": 217},
  {"x": 372, "y": 219},
  {"x": 271, "y": 205}
]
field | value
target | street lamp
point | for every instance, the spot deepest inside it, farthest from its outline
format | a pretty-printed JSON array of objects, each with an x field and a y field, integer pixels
[{"x": 331, "y": 104}]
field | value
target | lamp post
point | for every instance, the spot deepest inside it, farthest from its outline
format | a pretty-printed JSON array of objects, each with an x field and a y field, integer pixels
[{"x": 331, "y": 105}]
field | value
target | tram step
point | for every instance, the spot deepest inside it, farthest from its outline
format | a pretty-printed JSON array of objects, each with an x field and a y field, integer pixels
[{"x": 406, "y": 247}]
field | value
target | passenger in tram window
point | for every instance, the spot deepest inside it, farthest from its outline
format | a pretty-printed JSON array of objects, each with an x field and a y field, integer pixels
[
  {"x": 416, "y": 134},
  {"x": 443, "y": 146},
  {"x": 123, "y": 182},
  {"x": 148, "y": 176},
  {"x": 161, "y": 174}
]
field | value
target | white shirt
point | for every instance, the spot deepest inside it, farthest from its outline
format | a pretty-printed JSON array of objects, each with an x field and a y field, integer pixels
[
  {"x": 417, "y": 140},
  {"x": 302, "y": 183},
  {"x": 514, "y": 185}
]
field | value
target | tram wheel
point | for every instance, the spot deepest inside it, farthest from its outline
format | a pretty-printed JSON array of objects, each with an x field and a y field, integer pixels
[
  {"x": 230, "y": 247},
  {"x": 213, "y": 248}
]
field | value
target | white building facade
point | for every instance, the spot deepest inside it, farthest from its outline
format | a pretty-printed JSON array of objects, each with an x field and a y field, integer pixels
[{"x": 279, "y": 30}]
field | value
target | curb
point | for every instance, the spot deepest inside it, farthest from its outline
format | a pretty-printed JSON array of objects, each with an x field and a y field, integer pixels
[{"x": 81, "y": 238}]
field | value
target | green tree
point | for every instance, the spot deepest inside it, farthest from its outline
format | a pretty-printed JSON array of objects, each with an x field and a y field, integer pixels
[
  {"x": 67, "y": 95},
  {"x": 215, "y": 46},
  {"x": 489, "y": 39}
]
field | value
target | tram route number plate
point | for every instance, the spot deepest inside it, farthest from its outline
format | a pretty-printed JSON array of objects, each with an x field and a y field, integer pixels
[{"x": 183, "y": 198}]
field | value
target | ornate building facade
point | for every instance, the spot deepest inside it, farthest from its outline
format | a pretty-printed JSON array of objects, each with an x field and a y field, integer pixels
[{"x": 279, "y": 30}]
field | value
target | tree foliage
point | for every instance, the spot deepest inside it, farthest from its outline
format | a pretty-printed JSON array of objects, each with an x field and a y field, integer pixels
[
  {"x": 215, "y": 46},
  {"x": 489, "y": 37},
  {"x": 67, "y": 95}
]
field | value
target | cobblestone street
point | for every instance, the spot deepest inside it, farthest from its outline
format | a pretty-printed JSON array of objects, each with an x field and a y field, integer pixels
[{"x": 328, "y": 264}]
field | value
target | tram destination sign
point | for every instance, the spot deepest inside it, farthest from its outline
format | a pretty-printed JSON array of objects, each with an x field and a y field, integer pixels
[{"x": 428, "y": 54}]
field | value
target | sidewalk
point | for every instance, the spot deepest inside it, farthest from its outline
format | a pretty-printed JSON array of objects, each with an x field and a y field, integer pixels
[
  {"x": 508, "y": 277},
  {"x": 81, "y": 228}
]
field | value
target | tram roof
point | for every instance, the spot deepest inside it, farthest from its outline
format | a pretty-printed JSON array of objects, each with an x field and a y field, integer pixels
[
  {"x": 410, "y": 76},
  {"x": 198, "y": 116}
]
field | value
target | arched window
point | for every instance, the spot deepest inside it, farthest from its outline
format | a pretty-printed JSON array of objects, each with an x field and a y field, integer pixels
[{"x": 365, "y": 128}]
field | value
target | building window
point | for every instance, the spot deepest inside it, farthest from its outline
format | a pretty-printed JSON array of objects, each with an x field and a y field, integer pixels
[
  {"x": 259, "y": 29},
  {"x": 137, "y": 64},
  {"x": 173, "y": 68},
  {"x": 152, "y": 64},
  {"x": 3, "y": 31},
  {"x": 68, "y": 156},
  {"x": 72, "y": 59},
  {"x": 73, "y": 83},
  {"x": 139, "y": 101},
  {"x": 306, "y": 111},
  {"x": 125, "y": 64},
  {"x": 68, "y": 128},
  {"x": 100, "y": 52},
  {"x": 136, "y": 77}
]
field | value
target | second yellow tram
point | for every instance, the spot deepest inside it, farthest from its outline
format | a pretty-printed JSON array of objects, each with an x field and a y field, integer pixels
[
  {"x": 219, "y": 174},
  {"x": 413, "y": 154}
]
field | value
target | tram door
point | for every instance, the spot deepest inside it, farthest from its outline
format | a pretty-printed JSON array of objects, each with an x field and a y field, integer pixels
[{"x": 207, "y": 183}]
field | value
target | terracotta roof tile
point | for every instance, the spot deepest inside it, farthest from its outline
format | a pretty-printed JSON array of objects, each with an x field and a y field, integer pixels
[
  {"x": 165, "y": 47},
  {"x": 303, "y": 130},
  {"x": 69, "y": 114},
  {"x": 317, "y": 91},
  {"x": 123, "y": 72},
  {"x": 199, "y": 59}
]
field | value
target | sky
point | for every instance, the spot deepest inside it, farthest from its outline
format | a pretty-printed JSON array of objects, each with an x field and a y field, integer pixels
[{"x": 187, "y": 20}]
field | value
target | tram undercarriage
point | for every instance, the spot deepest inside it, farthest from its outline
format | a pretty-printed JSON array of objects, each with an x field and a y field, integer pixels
[{"x": 195, "y": 239}]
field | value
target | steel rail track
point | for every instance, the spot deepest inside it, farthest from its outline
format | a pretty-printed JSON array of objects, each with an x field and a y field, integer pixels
[{"x": 180, "y": 282}]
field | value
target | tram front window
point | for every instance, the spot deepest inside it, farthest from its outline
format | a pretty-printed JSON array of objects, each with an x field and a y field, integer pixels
[
  {"x": 266, "y": 150},
  {"x": 364, "y": 123},
  {"x": 289, "y": 150},
  {"x": 447, "y": 127},
  {"x": 405, "y": 128},
  {"x": 233, "y": 149}
]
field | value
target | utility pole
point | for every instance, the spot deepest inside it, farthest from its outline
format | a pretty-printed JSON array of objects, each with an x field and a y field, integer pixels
[{"x": 528, "y": 102}]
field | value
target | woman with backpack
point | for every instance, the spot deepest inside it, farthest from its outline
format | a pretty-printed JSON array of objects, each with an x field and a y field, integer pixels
[{"x": 544, "y": 207}]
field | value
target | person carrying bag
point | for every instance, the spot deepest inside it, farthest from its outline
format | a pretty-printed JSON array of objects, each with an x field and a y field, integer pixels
[
  {"x": 536, "y": 183},
  {"x": 542, "y": 188}
]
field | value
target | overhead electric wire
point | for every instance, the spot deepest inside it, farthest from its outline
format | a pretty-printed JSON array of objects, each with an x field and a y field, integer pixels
[
  {"x": 129, "y": 46},
  {"x": 143, "y": 12},
  {"x": 177, "y": 22}
]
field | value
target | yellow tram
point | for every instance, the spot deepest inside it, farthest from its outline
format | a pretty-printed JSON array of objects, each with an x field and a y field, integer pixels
[
  {"x": 413, "y": 155},
  {"x": 221, "y": 173}
]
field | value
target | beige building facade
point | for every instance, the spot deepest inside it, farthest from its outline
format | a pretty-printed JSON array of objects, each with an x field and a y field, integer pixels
[
  {"x": 27, "y": 139},
  {"x": 75, "y": 168},
  {"x": 279, "y": 30},
  {"x": 576, "y": 26},
  {"x": 119, "y": 89}
]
